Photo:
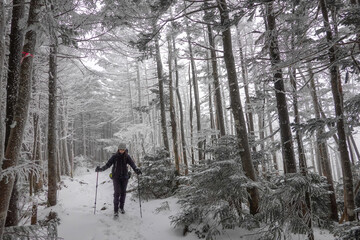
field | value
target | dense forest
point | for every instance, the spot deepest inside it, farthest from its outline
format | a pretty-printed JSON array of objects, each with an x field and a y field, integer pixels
[{"x": 245, "y": 110}]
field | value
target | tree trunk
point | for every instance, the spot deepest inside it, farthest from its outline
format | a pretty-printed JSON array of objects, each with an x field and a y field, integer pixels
[
  {"x": 21, "y": 112},
  {"x": 161, "y": 95},
  {"x": 200, "y": 143},
  {"x": 2, "y": 87},
  {"x": 38, "y": 180},
  {"x": 323, "y": 151},
  {"x": 139, "y": 91},
  {"x": 83, "y": 129},
  {"x": 235, "y": 102},
  {"x": 284, "y": 122},
  {"x": 16, "y": 44},
  {"x": 217, "y": 88},
  {"x": 183, "y": 140},
  {"x": 210, "y": 99},
  {"x": 52, "y": 154},
  {"x": 72, "y": 151},
  {"x": 249, "y": 115},
  {"x": 172, "y": 111},
  {"x": 302, "y": 159},
  {"x": 340, "y": 125},
  {"x": 271, "y": 132},
  {"x": 64, "y": 140},
  {"x": 191, "y": 120}
]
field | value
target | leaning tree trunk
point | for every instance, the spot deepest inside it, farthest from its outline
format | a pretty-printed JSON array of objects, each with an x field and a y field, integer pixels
[
  {"x": 52, "y": 157},
  {"x": 235, "y": 103},
  {"x": 340, "y": 124},
  {"x": 284, "y": 122},
  {"x": 13, "y": 148},
  {"x": 161, "y": 95},
  {"x": 172, "y": 111}
]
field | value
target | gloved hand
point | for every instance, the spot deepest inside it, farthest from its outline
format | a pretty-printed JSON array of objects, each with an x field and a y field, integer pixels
[
  {"x": 98, "y": 169},
  {"x": 138, "y": 171}
]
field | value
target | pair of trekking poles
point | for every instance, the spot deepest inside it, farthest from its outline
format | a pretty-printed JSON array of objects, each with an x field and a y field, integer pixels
[{"x": 97, "y": 179}]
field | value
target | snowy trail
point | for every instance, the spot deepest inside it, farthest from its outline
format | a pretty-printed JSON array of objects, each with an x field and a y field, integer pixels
[{"x": 75, "y": 208}]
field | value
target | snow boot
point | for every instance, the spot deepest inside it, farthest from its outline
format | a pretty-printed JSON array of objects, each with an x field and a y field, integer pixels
[{"x": 122, "y": 211}]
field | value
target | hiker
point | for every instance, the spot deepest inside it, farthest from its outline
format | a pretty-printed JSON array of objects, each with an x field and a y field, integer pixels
[{"x": 120, "y": 175}]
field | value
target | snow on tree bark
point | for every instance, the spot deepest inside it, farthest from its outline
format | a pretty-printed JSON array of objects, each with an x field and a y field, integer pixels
[
  {"x": 215, "y": 75},
  {"x": 196, "y": 91},
  {"x": 2, "y": 60},
  {"x": 181, "y": 112},
  {"x": 235, "y": 102},
  {"x": 52, "y": 139},
  {"x": 340, "y": 124},
  {"x": 323, "y": 154},
  {"x": 284, "y": 122},
  {"x": 21, "y": 111},
  {"x": 172, "y": 111},
  {"x": 161, "y": 95}
]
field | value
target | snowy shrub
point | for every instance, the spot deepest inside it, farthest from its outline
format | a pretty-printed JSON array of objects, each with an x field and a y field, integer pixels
[
  {"x": 211, "y": 195},
  {"x": 158, "y": 179},
  {"x": 81, "y": 163},
  {"x": 45, "y": 230},
  {"x": 283, "y": 207},
  {"x": 352, "y": 110},
  {"x": 347, "y": 231}
]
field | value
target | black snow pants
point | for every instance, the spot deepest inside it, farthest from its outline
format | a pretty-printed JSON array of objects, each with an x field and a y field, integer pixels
[{"x": 120, "y": 185}]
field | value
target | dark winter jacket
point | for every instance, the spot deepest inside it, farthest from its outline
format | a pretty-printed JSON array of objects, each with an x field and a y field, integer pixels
[{"x": 119, "y": 163}]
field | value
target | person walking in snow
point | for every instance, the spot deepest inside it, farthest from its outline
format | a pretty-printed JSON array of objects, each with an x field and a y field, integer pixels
[{"x": 120, "y": 175}]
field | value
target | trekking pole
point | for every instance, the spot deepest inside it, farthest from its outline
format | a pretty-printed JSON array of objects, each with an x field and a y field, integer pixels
[
  {"x": 97, "y": 177},
  {"x": 139, "y": 196}
]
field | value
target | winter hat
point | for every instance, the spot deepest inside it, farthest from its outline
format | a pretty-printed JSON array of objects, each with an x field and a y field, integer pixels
[{"x": 122, "y": 146}]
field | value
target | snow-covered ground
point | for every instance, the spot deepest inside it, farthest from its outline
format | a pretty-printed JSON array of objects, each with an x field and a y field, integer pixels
[{"x": 75, "y": 208}]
